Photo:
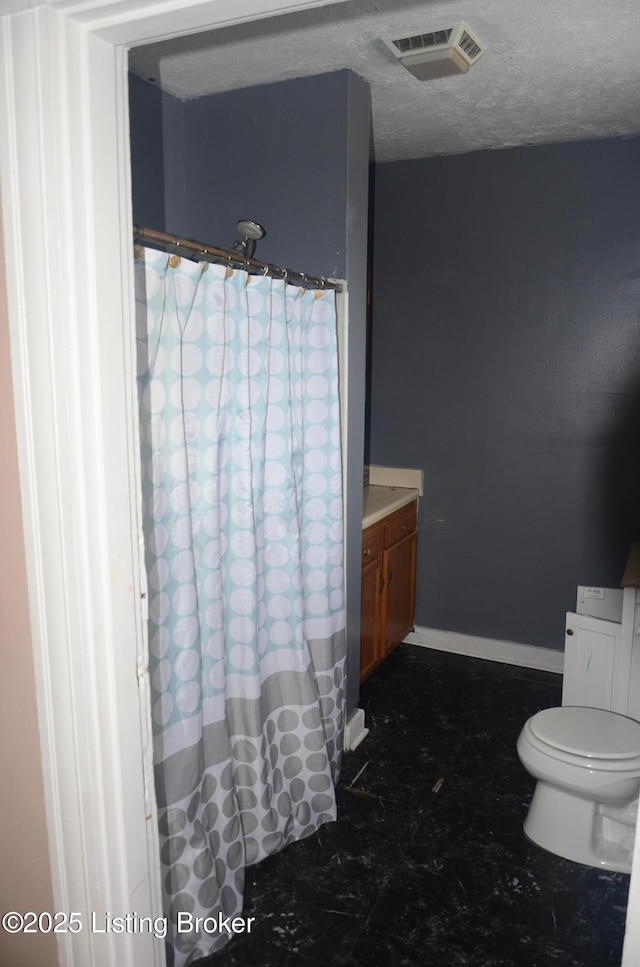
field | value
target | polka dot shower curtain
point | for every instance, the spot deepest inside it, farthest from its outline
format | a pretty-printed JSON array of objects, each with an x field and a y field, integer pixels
[{"x": 242, "y": 512}]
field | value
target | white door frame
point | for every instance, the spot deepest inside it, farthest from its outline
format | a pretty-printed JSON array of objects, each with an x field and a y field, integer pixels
[{"x": 66, "y": 196}]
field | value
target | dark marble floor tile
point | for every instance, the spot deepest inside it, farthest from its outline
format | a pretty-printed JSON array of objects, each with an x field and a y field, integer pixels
[{"x": 428, "y": 863}]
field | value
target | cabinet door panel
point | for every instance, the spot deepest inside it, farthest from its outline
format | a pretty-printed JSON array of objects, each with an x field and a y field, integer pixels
[
  {"x": 372, "y": 543},
  {"x": 591, "y": 645},
  {"x": 370, "y": 619},
  {"x": 399, "y": 600}
]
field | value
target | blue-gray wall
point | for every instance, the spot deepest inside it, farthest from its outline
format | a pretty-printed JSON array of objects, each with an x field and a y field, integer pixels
[
  {"x": 356, "y": 225},
  {"x": 276, "y": 154},
  {"x": 293, "y": 156},
  {"x": 157, "y": 150},
  {"x": 505, "y": 363},
  {"x": 279, "y": 154}
]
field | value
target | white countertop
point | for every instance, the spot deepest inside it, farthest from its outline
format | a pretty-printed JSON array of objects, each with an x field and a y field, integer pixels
[{"x": 379, "y": 502}]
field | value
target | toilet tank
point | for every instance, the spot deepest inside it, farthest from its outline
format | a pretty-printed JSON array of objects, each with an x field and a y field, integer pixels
[{"x": 600, "y": 602}]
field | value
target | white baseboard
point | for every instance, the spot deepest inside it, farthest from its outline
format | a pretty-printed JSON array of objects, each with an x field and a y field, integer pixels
[
  {"x": 355, "y": 730},
  {"x": 508, "y": 652}
]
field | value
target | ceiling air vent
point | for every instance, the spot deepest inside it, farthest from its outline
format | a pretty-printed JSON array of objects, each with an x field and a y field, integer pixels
[{"x": 438, "y": 53}]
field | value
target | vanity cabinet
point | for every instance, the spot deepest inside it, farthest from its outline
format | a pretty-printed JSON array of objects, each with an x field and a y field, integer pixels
[
  {"x": 388, "y": 585},
  {"x": 602, "y": 647}
]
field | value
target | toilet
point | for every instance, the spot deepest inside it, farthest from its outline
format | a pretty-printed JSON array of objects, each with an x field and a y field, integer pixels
[{"x": 587, "y": 765}]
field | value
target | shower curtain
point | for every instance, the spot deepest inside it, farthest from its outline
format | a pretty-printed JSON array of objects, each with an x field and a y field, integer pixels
[{"x": 242, "y": 515}]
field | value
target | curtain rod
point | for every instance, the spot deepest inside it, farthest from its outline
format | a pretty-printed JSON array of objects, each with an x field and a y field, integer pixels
[{"x": 211, "y": 254}]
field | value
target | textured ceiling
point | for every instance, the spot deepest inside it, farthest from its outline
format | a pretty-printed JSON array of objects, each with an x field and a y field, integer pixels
[{"x": 552, "y": 71}]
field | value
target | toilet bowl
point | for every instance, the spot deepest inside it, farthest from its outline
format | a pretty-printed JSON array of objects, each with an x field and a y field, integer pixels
[{"x": 587, "y": 765}]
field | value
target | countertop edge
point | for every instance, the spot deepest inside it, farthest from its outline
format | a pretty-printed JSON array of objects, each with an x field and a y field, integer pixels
[{"x": 379, "y": 502}]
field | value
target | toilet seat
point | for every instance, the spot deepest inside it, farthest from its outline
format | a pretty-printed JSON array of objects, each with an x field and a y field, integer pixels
[{"x": 592, "y": 733}]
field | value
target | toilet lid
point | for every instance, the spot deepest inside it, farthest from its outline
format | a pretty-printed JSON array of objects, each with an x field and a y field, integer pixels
[{"x": 590, "y": 732}]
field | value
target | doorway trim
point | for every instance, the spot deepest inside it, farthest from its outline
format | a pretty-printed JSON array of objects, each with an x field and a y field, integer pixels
[{"x": 66, "y": 199}]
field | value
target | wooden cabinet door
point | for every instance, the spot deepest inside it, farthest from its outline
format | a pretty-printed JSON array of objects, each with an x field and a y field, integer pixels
[
  {"x": 399, "y": 596},
  {"x": 371, "y": 618}
]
